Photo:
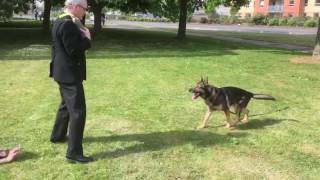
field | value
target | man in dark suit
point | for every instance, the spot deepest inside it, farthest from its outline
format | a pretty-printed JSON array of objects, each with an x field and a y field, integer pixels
[{"x": 68, "y": 69}]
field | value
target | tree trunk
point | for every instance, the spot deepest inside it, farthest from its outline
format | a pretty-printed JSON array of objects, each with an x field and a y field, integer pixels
[
  {"x": 97, "y": 17},
  {"x": 316, "y": 51},
  {"x": 46, "y": 16},
  {"x": 182, "y": 19}
]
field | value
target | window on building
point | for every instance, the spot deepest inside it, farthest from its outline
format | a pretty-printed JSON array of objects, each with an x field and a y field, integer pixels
[
  {"x": 290, "y": 15},
  {"x": 316, "y": 15},
  {"x": 304, "y": 15},
  {"x": 261, "y": 3},
  {"x": 248, "y": 15},
  {"x": 249, "y": 4},
  {"x": 305, "y": 2},
  {"x": 291, "y": 2},
  {"x": 317, "y": 2}
]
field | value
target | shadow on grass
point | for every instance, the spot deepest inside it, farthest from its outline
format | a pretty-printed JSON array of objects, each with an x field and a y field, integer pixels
[
  {"x": 26, "y": 155},
  {"x": 262, "y": 123},
  {"x": 31, "y": 44},
  {"x": 270, "y": 112},
  {"x": 162, "y": 140}
]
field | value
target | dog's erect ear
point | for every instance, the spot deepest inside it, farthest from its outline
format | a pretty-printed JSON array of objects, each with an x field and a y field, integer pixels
[{"x": 203, "y": 82}]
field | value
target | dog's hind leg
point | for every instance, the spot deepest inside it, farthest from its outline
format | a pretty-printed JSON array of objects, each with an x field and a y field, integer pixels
[
  {"x": 239, "y": 111},
  {"x": 244, "y": 103},
  {"x": 227, "y": 113},
  {"x": 206, "y": 119},
  {"x": 246, "y": 115}
]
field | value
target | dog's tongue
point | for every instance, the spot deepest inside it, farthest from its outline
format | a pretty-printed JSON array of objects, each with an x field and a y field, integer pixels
[{"x": 194, "y": 97}]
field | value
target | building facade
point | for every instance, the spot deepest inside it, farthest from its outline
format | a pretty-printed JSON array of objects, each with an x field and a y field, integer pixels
[{"x": 286, "y": 8}]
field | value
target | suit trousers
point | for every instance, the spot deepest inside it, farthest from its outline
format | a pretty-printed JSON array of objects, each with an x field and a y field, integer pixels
[{"x": 72, "y": 113}]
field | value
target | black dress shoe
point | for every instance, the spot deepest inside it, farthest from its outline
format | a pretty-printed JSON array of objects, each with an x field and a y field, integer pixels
[
  {"x": 58, "y": 140},
  {"x": 79, "y": 159}
]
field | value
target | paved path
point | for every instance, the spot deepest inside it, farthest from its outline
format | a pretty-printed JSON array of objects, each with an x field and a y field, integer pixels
[
  {"x": 172, "y": 27},
  {"x": 217, "y": 27}
]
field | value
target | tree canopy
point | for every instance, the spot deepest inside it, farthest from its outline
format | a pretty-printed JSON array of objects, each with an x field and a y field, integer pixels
[
  {"x": 174, "y": 10},
  {"x": 7, "y": 7}
]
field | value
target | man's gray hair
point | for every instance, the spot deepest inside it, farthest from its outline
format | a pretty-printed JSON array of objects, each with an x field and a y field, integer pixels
[{"x": 74, "y": 2}]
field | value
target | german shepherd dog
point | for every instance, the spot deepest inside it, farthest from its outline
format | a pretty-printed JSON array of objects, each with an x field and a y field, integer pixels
[{"x": 225, "y": 99}]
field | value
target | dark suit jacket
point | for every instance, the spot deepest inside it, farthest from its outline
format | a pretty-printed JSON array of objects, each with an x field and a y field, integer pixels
[{"x": 68, "y": 64}]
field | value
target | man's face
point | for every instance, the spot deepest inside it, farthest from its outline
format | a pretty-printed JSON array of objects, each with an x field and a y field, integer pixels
[{"x": 80, "y": 10}]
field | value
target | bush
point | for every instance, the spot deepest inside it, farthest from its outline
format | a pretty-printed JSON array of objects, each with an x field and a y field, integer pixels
[
  {"x": 223, "y": 20},
  {"x": 204, "y": 20},
  {"x": 292, "y": 22},
  {"x": 247, "y": 19},
  {"x": 57, "y": 13},
  {"x": 122, "y": 17},
  {"x": 233, "y": 20},
  {"x": 273, "y": 21},
  {"x": 283, "y": 21},
  {"x": 296, "y": 21},
  {"x": 142, "y": 19},
  {"x": 259, "y": 19},
  {"x": 310, "y": 23}
]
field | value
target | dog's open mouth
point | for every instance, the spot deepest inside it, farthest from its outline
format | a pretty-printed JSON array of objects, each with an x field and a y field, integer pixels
[{"x": 195, "y": 95}]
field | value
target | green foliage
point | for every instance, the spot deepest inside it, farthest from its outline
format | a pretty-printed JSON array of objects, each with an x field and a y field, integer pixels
[
  {"x": 170, "y": 9},
  {"x": 273, "y": 21},
  {"x": 296, "y": 21},
  {"x": 127, "y": 5},
  {"x": 225, "y": 20},
  {"x": 7, "y": 7},
  {"x": 234, "y": 10},
  {"x": 130, "y": 18},
  {"x": 211, "y": 5},
  {"x": 204, "y": 20},
  {"x": 318, "y": 32},
  {"x": 259, "y": 19},
  {"x": 292, "y": 22},
  {"x": 233, "y": 20},
  {"x": 58, "y": 13},
  {"x": 312, "y": 22},
  {"x": 167, "y": 8},
  {"x": 283, "y": 21}
]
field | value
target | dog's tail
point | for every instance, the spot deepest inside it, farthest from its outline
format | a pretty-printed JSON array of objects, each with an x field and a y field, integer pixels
[{"x": 263, "y": 97}]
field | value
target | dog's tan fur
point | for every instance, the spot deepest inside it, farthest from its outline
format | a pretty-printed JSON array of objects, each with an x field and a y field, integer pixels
[{"x": 224, "y": 99}]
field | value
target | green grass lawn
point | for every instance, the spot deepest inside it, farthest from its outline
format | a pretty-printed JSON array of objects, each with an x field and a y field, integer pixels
[{"x": 141, "y": 121}]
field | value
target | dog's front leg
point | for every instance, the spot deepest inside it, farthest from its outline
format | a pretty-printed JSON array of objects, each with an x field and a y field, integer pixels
[{"x": 206, "y": 119}]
